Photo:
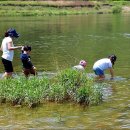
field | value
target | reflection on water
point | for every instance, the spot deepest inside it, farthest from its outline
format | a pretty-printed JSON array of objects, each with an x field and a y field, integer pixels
[
  {"x": 61, "y": 42},
  {"x": 127, "y": 35},
  {"x": 113, "y": 112}
]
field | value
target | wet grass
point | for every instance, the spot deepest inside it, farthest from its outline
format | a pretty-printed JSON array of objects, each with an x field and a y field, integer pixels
[{"x": 67, "y": 86}]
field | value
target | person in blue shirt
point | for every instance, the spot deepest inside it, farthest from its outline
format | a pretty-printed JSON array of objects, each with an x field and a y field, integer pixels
[{"x": 28, "y": 67}]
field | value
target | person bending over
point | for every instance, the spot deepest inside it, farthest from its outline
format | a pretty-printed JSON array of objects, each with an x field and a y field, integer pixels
[
  {"x": 81, "y": 66},
  {"x": 103, "y": 64}
]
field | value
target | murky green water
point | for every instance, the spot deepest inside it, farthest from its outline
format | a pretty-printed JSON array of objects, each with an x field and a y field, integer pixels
[{"x": 60, "y": 42}]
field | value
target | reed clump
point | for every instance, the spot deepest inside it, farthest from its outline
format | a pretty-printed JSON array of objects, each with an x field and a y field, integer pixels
[{"x": 67, "y": 86}]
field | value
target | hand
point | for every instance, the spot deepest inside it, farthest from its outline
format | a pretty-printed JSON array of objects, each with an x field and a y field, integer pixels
[
  {"x": 111, "y": 78},
  {"x": 34, "y": 67},
  {"x": 19, "y": 47},
  {"x": 22, "y": 48}
]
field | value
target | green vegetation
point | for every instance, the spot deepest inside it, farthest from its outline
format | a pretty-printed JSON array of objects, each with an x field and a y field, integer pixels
[
  {"x": 41, "y": 8},
  {"x": 67, "y": 86},
  {"x": 116, "y": 9}
]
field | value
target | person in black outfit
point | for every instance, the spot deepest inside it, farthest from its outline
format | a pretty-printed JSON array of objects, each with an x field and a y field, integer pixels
[{"x": 28, "y": 67}]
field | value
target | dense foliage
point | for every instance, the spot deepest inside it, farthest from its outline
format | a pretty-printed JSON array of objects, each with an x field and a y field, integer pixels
[{"x": 67, "y": 86}]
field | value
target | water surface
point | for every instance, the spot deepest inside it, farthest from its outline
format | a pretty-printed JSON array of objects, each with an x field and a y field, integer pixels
[{"x": 60, "y": 42}]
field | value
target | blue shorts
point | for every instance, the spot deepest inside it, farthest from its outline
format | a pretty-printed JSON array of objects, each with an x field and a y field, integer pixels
[{"x": 98, "y": 71}]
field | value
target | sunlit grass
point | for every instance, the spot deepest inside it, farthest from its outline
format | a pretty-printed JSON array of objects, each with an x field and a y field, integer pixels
[
  {"x": 67, "y": 86},
  {"x": 41, "y": 11},
  {"x": 42, "y": 8}
]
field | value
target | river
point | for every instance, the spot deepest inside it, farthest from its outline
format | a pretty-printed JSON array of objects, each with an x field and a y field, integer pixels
[{"x": 60, "y": 42}]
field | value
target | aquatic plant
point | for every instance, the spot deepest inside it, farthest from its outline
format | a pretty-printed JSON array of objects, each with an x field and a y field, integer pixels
[
  {"x": 71, "y": 80},
  {"x": 56, "y": 93},
  {"x": 67, "y": 85},
  {"x": 80, "y": 88},
  {"x": 70, "y": 77}
]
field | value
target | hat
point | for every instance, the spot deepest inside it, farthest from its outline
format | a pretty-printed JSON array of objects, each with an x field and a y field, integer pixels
[
  {"x": 12, "y": 33},
  {"x": 83, "y": 63}
]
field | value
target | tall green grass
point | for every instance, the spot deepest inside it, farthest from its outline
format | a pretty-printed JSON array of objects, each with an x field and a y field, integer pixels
[{"x": 67, "y": 86}]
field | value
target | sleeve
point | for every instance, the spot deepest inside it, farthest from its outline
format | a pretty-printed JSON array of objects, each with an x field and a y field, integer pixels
[
  {"x": 30, "y": 63},
  {"x": 9, "y": 39},
  {"x": 110, "y": 64}
]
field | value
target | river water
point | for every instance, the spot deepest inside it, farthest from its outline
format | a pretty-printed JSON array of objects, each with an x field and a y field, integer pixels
[{"x": 60, "y": 42}]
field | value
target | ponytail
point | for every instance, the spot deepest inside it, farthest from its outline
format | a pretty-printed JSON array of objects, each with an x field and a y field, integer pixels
[{"x": 6, "y": 34}]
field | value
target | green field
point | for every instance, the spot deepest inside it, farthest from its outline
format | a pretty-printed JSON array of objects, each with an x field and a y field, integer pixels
[{"x": 41, "y": 8}]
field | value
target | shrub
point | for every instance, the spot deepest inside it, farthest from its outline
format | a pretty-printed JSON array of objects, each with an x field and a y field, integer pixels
[{"x": 116, "y": 9}]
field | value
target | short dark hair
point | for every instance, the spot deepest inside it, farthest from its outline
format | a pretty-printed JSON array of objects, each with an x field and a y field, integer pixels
[
  {"x": 112, "y": 58},
  {"x": 26, "y": 48}
]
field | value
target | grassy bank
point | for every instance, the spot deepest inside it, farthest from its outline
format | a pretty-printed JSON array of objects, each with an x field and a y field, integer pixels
[
  {"x": 67, "y": 86},
  {"x": 41, "y": 8}
]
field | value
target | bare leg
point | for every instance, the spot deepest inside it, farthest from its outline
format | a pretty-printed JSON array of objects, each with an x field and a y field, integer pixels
[
  {"x": 100, "y": 78},
  {"x": 7, "y": 75},
  {"x": 33, "y": 71},
  {"x": 26, "y": 72}
]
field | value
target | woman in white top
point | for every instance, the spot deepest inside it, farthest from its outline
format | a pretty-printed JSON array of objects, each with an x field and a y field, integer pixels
[
  {"x": 8, "y": 48},
  {"x": 103, "y": 64}
]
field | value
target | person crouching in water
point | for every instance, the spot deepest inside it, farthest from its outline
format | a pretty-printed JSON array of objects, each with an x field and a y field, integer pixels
[
  {"x": 28, "y": 67},
  {"x": 103, "y": 64},
  {"x": 81, "y": 66}
]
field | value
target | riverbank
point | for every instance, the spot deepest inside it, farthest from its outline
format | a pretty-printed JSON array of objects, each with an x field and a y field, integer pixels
[{"x": 41, "y": 8}]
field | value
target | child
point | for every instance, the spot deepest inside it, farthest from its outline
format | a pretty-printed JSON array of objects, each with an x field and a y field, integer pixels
[
  {"x": 81, "y": 66},
  {"x": 28, "y": 67},
  {"x": 103, "y": 64}
]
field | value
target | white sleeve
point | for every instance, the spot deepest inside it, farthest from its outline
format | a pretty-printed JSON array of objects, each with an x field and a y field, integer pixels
[
  {"x": 110, "y": 65},
  {"x": 9, "y": 39}
]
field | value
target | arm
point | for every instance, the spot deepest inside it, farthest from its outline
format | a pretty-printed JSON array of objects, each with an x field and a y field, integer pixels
[
  {"x": 1, "y": 48},
  {"x": 111, "y": 72},
  {"x": 30, "y": 64},
  {"x": 10, "y": 47}
]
